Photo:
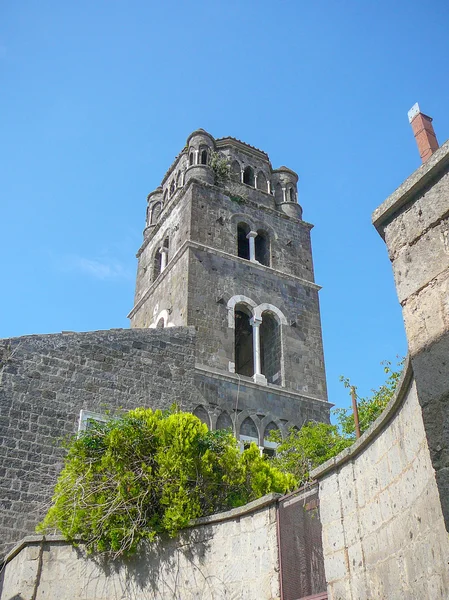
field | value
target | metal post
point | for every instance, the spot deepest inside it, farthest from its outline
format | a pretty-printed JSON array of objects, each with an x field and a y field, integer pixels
[{"x": 356, "y": 412}]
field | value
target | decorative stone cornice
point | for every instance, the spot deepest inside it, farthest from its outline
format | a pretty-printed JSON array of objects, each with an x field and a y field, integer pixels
[
  {"x": 197, "y": 246},
  {"x": 244, "y": 381}
]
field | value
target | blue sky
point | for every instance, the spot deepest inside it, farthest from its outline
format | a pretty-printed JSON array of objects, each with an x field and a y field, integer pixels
[{"x": 98, "y": 97}]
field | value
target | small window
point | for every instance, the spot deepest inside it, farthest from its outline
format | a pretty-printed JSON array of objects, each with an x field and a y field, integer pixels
[
  {"x": 191, "y": 159},
  {"x": 160, "y": 324},
  {"x": 262, "y": 248},
  {"x": 262, "y": 182},
  {"x": 203, "y": 157},
  {"x": 248, "y": 176},
  {"x": 172, "y": 188},
  {"x": 243, "y": 342},
  {"x": 202, "y": 415},
  {"x": 224, "y": 421},
  {"x": 270, "y": 348},
  {"x": 88, "y": 419},
  {"x": 157, "y": 264},
  {"x": 179, "y": 180},
  {"x": 243, "y": 241},
  {"x": 269, "y": 447},
  {"x": 155, "y": 212},
  {"x": 235, "y": 172},
  {"x": 248, "y": 429},
  {"x": 291, "y": 193}
]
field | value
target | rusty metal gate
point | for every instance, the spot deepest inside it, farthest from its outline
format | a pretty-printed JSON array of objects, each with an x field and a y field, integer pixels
[{"x": 300, "y": 548}]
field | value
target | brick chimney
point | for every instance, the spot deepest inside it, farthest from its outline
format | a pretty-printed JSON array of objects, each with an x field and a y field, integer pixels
[{"x": 423, "y": 130}]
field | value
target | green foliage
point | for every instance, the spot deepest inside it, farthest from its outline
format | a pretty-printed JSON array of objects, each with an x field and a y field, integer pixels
[
  {"x": 369, "y": 408},
  {"x": 304, "y": 450},
  {"x": 145, "y": 473},
  {"x": 221, "y": 167}
]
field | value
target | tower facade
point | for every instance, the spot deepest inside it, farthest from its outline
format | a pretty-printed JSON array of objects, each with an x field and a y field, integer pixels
[{"x": 226, "y": 251}]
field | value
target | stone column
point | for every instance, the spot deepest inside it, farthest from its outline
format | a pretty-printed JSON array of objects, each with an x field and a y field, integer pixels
[
  {"x": 255, "y": 180},
  {"x": 251, "y": 236},
  {"x": 164, "y": 256},
  {"x": 241, "y": 175},
  {"x": 284, "y": 195},
  {"x": 255, "y": 322}
]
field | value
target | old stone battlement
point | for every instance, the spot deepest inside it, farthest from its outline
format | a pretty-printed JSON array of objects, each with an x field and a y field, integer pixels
[{"x": 251, "y": 171}]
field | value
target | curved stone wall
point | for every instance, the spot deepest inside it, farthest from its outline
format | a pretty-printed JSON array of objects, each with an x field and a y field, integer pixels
[
  {"x": 228, "y": 555},
  {"x": 383, "y": 529}
]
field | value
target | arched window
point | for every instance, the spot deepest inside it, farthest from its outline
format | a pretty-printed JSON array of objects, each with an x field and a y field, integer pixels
[
  {"x": 157, "y": 264},
  {"x": 278, "y": 194},
  {"x": 160, "y": 259},
  {"x": 179, "y": 180},
  {"x": 262, "y": 182},
  {"x": 242, "y": 241},
  {"x": 202, "y": 415},
  {"x": 270, "y": 348},
  {"x": 243, "y": 341},
  {"x": 236, "y": 172},
  {"x": 269, "y": 447},
  {"x": 160, "y": 324},
  {"x": 262, "y": 248},
  {"x": 224, "y": 421},
  {"x": 155, "y": 212},
  {"x": 291, "y": 195},
  {"x": 248, "y": 428},
  {"x": 191, "y": 158},
  {"x": 165, "y": 196},
  {"x": 248, "y": 432},
  {"x": 204, "y": 157},
  {"x": 248, "y": 176},
  {"x": 172, "y": 188}
]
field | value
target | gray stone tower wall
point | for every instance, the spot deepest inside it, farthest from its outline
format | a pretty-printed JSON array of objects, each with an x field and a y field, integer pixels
[
  {"x": 47, "y": 379},
  {"x": 204, "y": 276}
]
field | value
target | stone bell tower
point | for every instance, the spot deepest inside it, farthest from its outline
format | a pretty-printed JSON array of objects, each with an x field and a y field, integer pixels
[{"x": 226, "y": 250}]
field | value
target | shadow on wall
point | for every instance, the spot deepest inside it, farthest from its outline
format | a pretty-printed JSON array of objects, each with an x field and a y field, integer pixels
[
  {"x": 156, "y": 568},
  {"x": 166, "y": 568}
]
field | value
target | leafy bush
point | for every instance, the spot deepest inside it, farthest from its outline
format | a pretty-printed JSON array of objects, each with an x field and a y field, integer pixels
[
  {"x": 146, "y": 473},
  {"x": 305, "y": 449},
  {"x": 372, "y": 407}
]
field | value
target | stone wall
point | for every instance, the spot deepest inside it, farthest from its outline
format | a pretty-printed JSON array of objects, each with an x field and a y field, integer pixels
[
  {"x": 45, "y": 380},
  {"x": 383, "y": 528},
  {"x": 229, "y": 555},
  {"x": 414, "y": 222},
  {"x": 220, "y": 394}
]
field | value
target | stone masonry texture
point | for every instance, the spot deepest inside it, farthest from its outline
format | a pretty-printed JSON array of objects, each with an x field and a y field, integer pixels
[
  {"x": 383, "y": 528},
  {"x": 181, "y": 348},
  {"x": 197, "y": 224},
  {"x": 47, "y": 379},
  {"x": 414, "y": 222},
  {"x": 235, "y": 558}
]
